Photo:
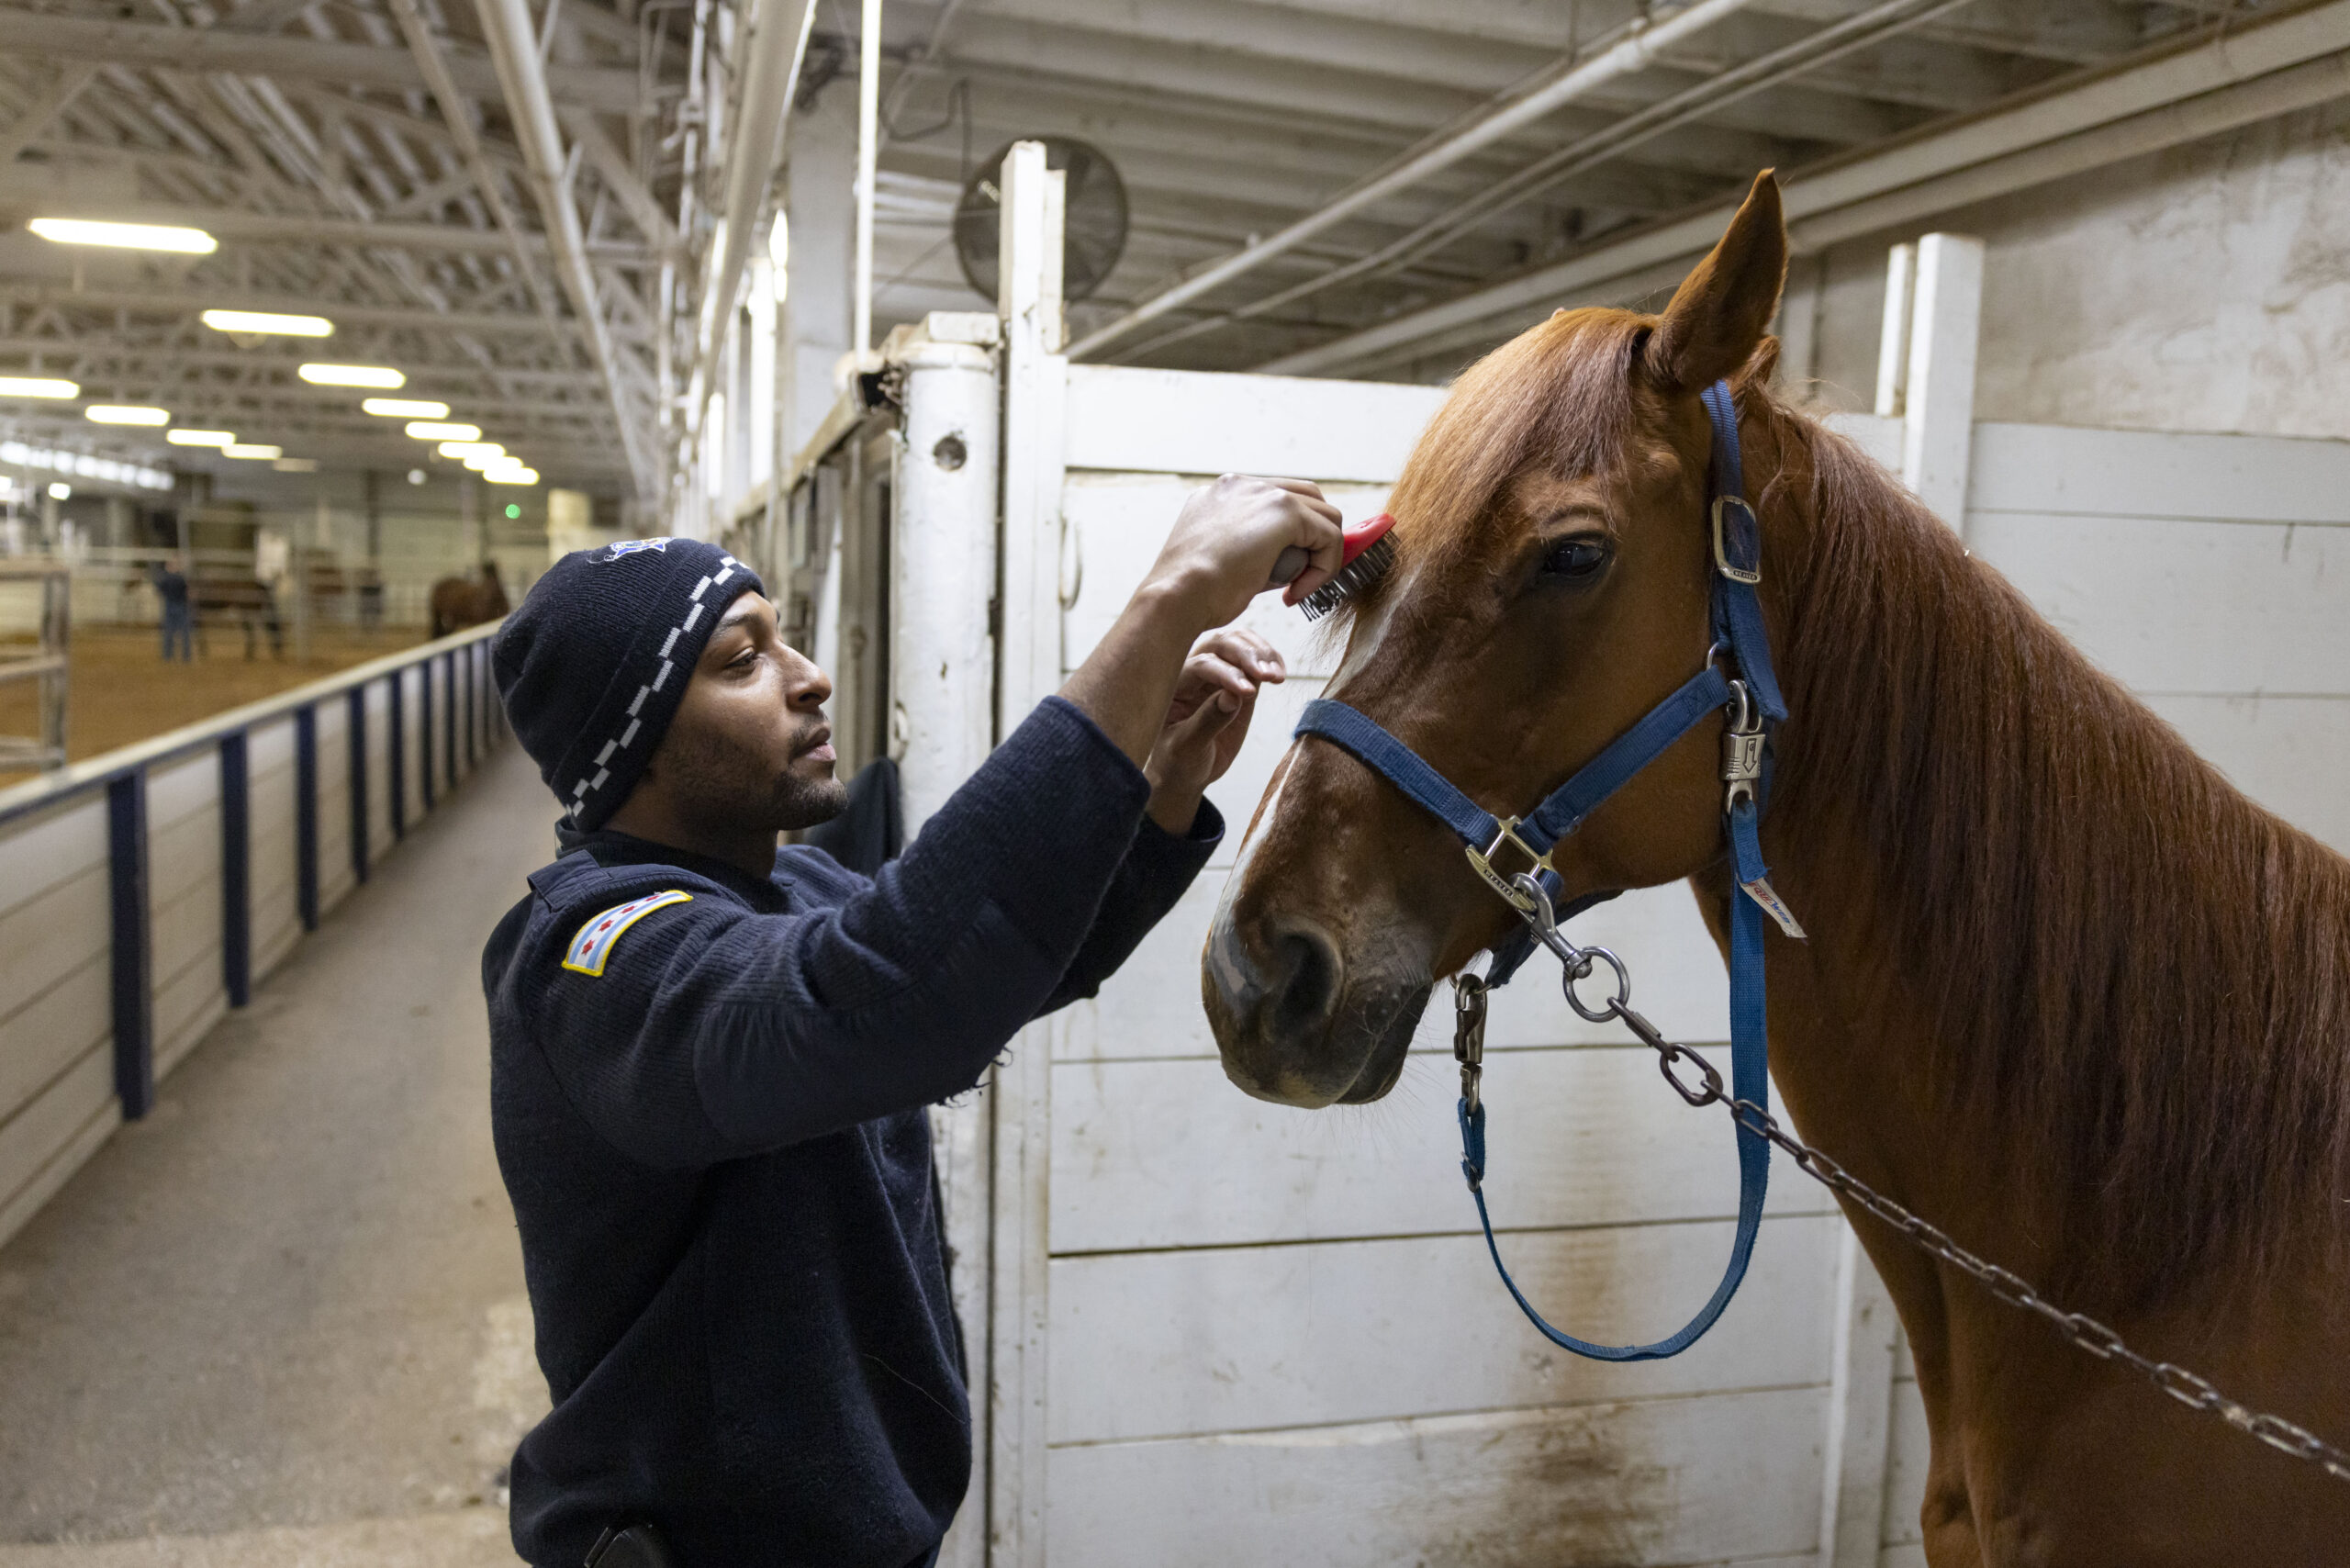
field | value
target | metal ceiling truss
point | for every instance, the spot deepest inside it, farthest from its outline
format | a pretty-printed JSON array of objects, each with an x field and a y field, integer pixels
[{"x": 519, "y": 202}]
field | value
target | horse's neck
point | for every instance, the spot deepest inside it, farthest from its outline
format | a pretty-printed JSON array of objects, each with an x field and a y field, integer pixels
[{"x": 2013, "y": 876}]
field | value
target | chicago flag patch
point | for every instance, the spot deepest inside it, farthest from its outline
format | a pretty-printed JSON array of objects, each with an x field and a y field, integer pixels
[{"x": 594, "y": 944}]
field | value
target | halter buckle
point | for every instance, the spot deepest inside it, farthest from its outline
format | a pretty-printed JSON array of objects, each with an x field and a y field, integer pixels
[
  {"x": 1482, "y": 862},
  {"x": 1747, "y": 544}
]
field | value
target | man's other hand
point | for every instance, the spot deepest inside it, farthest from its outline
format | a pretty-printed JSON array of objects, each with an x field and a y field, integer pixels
[{"x": 1214, "y": 699}]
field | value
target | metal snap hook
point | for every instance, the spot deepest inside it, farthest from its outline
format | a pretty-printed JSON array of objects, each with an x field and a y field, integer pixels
[{"x": 1538, "y": 911}]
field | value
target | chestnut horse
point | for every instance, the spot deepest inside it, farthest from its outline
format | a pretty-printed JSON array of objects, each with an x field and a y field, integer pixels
[{"x": 2066, "y": 993}]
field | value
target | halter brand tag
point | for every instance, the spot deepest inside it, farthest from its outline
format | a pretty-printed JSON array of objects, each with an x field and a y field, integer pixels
[{"x": 1764, "y": 896}]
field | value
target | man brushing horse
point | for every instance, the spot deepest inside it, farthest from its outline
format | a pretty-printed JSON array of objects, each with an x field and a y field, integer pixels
[{"x": 711, "y": 1057}]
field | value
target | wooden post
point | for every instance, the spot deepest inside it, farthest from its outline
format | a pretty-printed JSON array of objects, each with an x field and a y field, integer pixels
[
  {"x": 395, "y": 753},
  {"x": 132, "y": 944},
  {"x": 1035, "y": 391},
  {"x": 1893, "y": 337},
  {"x": 305, "y": 815},
  {"x": 236, "y": 871},
  {"x": 355, "y": 716},
  {"x": 942, "y": 712},
  {"x": 1859, "y": 1412},
  {"x": 1938, "y": 402}
]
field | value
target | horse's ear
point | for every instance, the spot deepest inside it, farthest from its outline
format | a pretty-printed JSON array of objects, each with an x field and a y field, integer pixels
[{"x": 1721, "y": 311}]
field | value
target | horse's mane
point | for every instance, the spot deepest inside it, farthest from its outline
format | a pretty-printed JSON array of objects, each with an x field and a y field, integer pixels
[{"x": 2141, "y": 980}]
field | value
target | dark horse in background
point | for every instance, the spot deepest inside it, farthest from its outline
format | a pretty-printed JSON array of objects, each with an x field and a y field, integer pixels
[
  {"x": 2067, "y": 994},
  {"x": 459, "y": 602}
]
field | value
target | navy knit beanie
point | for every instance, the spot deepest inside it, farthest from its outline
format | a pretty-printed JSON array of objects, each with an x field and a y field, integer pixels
[{"x": 593, "y": 666}]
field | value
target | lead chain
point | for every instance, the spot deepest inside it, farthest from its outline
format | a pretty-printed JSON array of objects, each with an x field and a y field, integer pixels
[{"x": 2083, "y": 1331}]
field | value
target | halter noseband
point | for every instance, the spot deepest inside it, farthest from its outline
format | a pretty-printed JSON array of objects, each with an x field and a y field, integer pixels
[{"x": 1752, "y": 698}]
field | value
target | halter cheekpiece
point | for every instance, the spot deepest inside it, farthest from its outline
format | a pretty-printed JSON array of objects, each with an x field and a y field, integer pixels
[{"x": 1512, "y": 856}]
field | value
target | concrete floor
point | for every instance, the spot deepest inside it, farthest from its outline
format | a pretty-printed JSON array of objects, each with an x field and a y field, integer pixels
[{"x": 282, "y": 1321}]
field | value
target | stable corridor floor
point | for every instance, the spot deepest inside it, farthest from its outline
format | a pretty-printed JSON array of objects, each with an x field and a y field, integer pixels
[{"x": 281, "y": 1322}]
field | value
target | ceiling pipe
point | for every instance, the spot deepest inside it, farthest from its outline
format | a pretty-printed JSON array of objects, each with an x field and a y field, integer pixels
[
  {"x": 1635, "y": 53},
  {"x": 454, "y": 106},
  {"x": 770, "y": 80},
  {"x": 514, "y": 48},
  {"x": 1863, "y": 29},
  {"x": 2172, "y": 94},
  {"x": 868, "y": 147}
]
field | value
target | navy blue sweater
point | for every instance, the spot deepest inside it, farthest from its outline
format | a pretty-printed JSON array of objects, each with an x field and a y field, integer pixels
[{"x": 708, "y": 1090}]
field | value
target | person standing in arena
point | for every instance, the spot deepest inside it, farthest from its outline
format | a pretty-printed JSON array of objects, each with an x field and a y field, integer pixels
[{"x": 712, "y": 1058}]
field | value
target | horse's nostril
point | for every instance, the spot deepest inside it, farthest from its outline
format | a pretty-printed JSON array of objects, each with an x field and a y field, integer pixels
[{"x": 1305, "y": 997}]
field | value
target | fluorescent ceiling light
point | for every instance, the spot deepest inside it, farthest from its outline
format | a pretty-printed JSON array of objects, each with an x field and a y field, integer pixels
[
  {"x": 124, "y": 236},
  {"x": 381, "y": 375},
  {"x": 243, "y": 449},
  {"x": 426, "y": 429},
  {"x": 126, "y": 414},
  {"x": 472, "y": 448},
  {"x": 268, "y": 321},
  {"x": 36, "y": 386},
  {"x": 406, "y": 407},
  {"x": 59, "y": 490},
  {"x": 296, "y": 465},
  {"x": 200, "y": 438},
  {"x": 512, "y": 476}
]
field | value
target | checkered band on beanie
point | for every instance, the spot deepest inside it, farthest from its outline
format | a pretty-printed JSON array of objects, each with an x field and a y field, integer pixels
[{"x": 592, "y": 666}]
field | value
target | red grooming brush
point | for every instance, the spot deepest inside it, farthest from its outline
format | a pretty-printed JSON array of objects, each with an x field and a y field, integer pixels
[{"x": 1365, "y": 555}]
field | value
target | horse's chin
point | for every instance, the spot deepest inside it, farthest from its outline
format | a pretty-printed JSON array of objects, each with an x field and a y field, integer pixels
[{"x": 1360, "y": 1059}]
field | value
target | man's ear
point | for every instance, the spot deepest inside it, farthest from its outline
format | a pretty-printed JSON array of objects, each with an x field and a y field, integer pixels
[{"x": 1721, "y": 311}]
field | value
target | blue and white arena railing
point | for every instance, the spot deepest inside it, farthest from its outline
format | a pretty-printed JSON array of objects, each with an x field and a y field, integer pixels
[{"x": 143, "y": 892}]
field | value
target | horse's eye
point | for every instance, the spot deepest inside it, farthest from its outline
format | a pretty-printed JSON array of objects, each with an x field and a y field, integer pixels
[{"x": 1577, "y": 560}]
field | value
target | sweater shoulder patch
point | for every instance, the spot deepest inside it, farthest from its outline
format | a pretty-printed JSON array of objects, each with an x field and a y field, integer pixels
[{"x": 593, "y": 945}]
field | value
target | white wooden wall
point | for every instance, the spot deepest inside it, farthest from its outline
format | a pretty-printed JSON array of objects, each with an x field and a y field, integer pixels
[{"x": 2204, "y": 571}]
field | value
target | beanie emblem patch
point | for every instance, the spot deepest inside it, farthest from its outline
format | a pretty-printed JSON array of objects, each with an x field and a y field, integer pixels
[{"x": 631, "y": 547}]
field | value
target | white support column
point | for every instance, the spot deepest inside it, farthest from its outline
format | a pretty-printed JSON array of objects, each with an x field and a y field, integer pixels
[
  {"x": 942, "y": 722},
  {"x": 1893, "y": 337},
  {"x": 868, "y": 145},
  {"x": 1035, "y": 393},
  {"x": 1797, "y": 325},
  {"x": 1937, "y": 403},
  {"x": 820, "y": 210},
  {"x": 1859, "y": 1412}
]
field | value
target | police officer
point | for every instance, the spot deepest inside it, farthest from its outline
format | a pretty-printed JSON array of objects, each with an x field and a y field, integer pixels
[{"x": 711, "y": 1056}]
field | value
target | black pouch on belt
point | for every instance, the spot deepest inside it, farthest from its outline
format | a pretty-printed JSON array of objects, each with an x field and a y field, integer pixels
[{"x": 631, "y": 1546}]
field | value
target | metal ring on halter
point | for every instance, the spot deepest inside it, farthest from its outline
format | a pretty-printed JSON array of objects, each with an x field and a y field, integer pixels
[{"x": 1615, "y": 1004}]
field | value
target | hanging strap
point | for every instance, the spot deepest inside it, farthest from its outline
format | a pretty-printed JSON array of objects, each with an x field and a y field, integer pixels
[
  {"x": 1749, "y": 1081},
  {"x": 1737, "y": 544}
]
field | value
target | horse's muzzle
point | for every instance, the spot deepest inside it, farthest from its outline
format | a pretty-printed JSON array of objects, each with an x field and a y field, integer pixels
[{"x": 1295, "y": 1026}]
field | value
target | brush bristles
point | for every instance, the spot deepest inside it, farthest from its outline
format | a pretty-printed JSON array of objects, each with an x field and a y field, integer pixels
[{"x": 1352, "y": 578}]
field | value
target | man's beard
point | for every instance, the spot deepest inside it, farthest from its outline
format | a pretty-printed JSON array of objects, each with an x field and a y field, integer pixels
[{"x": 730, "y": 786}]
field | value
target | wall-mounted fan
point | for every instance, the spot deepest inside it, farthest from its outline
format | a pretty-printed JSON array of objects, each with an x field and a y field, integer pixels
[{"x": 1093, "y": 232}]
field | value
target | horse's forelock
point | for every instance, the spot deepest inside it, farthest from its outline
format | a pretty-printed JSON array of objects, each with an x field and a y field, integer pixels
[{"x": 1559, "y": 398}]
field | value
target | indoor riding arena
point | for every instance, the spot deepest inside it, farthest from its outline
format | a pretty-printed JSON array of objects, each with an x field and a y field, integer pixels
[{"x": 1174, "y": 784}]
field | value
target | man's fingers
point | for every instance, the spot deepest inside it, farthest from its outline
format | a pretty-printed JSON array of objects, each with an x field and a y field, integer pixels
[{"x": 1246, "y": 652}]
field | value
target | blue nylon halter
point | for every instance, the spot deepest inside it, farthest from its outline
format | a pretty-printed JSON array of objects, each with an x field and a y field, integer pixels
[{"x": 1737, "y": 623}]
